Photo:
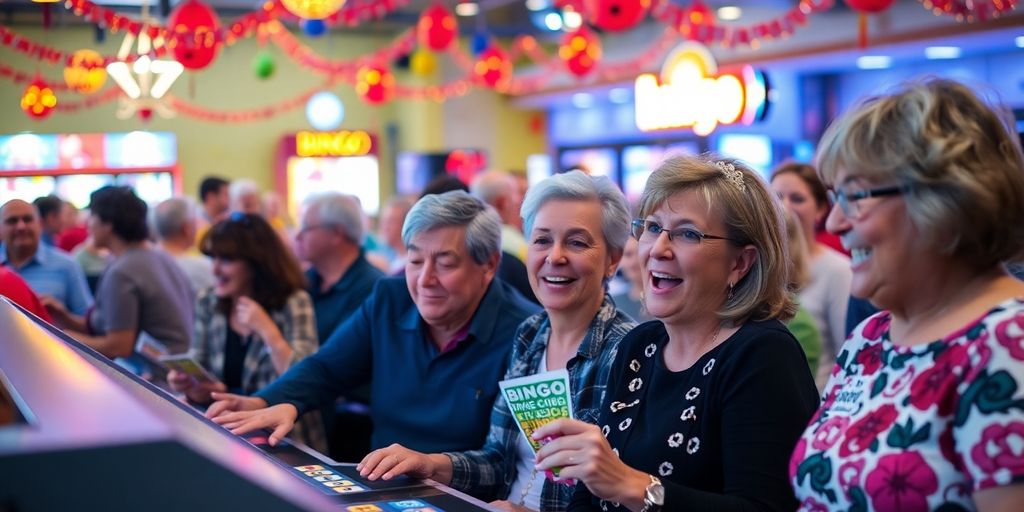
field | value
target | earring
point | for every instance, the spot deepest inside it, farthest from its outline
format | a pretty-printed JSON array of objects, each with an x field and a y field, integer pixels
[{"x": 729, "y": 295}]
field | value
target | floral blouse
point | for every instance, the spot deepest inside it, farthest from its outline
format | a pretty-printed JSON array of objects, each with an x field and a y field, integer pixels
[{"x": 917, "y": 428}]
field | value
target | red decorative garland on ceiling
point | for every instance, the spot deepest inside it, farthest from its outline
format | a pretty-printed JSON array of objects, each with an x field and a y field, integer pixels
[{"x": 969, "y": 10}]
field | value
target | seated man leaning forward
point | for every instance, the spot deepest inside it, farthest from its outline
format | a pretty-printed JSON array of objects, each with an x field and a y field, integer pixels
[{"x": 432, "y": 350}]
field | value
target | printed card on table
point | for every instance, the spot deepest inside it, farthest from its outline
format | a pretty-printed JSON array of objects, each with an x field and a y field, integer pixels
[{"x": 538, "y": 399}]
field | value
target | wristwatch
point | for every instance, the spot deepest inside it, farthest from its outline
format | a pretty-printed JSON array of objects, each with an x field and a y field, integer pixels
[{"x": 654, "y": 496}]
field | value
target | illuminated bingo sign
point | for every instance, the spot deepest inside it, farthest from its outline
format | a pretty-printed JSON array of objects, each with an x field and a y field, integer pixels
[
  {"x": 693, "y": 95},
  {"x": 340, "y": 143}
]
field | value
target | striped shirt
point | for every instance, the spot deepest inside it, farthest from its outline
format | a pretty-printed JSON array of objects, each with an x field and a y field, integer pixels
[
  {"x": 52, "y": 272},
  {"x": 488, "y": 473}
]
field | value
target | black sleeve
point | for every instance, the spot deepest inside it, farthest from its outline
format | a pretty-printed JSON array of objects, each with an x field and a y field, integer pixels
[
  {"x": 768, "y": 396},
  {"x": 582, "y": 499}
]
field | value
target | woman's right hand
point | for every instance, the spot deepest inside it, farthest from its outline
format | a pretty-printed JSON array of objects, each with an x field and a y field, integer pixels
[
  {"x": 396, "y": 460},
  {"x": 279, "y": 419},
  {"x": 198, "y": 392}
]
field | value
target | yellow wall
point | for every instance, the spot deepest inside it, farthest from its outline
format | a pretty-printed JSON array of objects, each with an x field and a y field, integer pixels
[{"x": 247, "y": 150}]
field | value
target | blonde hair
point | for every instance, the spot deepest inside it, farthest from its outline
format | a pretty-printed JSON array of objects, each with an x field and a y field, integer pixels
[
  {"x": 799, "y": 273},
  {"x": 960, "y": 162},
  {"x": 751, "y": 214}
]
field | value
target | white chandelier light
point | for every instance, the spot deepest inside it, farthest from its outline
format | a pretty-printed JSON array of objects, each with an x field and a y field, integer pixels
[{"x": 146, "y": 80}]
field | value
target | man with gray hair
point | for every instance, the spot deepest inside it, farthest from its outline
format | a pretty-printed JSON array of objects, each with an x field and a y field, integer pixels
[
  {"x": 330, "y": 239},
  {"x": 500, "y": 190},
  {"x": 445, "y": 333},
  {"x": 174, "y": 222}
]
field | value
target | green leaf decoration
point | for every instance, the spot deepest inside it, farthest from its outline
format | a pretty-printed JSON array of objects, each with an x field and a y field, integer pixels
[
  {"x": 879, "y": 384},
  {"x": 989, "y": 393},
  {"x": 819, "y": 469},
  {"x": 858, "y": 499}
]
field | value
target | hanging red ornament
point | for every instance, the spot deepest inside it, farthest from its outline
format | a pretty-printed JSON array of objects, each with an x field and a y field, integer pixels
[
  {"x": 375, "y": 84},
  {"x": 581, "y": 50},
  {"x": 85, "y": 72},
  {"x": 38, "y": 100},
  {"x": 493, "y": 68},
  {"x": 865, "y": 7},
  {"x": 436, "y": 28},
  {"x": 613, "y": 15},
  {"x": 698, "y": 23},
  {"x": 195, "y": 26}
]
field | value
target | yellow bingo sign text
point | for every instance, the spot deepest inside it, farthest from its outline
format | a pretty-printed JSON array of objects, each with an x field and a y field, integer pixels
[{"x": 692, "y": 94}]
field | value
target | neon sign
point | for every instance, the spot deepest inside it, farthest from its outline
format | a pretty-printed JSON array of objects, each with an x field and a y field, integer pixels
[
  {"x": 340, "y": 143},
  {"x": 693, "y": 95}
]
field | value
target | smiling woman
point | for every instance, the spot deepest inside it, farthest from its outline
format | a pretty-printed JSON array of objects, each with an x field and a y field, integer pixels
[
  {"x": 929, "y": 187},
  {"x": 705, "y": 404}
]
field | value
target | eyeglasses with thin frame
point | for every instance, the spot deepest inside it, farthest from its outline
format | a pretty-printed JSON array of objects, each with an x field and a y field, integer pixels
[
  {"x": 649, "y": 231},
  {"x": 849, "y": 202}
]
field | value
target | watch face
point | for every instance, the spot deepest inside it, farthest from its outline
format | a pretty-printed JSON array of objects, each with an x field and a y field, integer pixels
[{"x": 656, "y": 494}]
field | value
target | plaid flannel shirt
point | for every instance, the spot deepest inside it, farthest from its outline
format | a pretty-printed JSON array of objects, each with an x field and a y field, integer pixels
[
  {"x": 297, "y": 324},
  {"x": 488, "y": 473}
]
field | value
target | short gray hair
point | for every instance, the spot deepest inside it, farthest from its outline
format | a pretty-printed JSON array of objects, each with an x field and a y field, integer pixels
[
  {"x": 577, "y": 186},
  {"x": 491, "y": 185},
  {"x": 457, "y": 208},
  {"x": 341, "y": 211},
  {"x": 170, "y": 216}
]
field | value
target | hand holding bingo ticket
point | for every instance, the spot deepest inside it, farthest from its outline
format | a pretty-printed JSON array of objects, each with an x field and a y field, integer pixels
[{"x": 536, "y": 400}]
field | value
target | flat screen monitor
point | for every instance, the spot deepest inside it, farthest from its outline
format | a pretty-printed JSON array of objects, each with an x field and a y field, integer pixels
[
  {"x": 638, "y": 162},
  {"x": 593, "y": 161},
  {"x": 755, "y": 150}
]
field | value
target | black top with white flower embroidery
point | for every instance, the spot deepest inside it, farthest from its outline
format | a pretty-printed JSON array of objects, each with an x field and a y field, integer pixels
[{"x": 718, "y": 434}]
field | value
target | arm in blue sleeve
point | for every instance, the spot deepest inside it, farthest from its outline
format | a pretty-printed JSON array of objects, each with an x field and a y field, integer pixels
[
  {"x": 342, "y": 363},
  {"x": 79, "y": 297}
]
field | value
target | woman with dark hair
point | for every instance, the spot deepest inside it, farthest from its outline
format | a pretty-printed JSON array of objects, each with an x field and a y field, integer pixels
[
  {"x": 256, "y": 321},
  {"x": 142, "y": 290}
]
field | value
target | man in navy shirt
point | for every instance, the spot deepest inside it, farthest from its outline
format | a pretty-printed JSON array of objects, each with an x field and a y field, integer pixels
[{"x": 432, "y": 348}]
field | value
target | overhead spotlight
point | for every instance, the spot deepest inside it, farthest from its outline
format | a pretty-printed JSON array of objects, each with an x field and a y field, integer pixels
[
  {"x": 553, "y": 21},
  {"x": 467, "y": 9},
  {"x": 537, "y": 5},
  {"x": 874, "y": 62},
  {"x": 729, "y": 13},
  {"x": 942, "y": 52},
  {"x": 583, "y": 100},
  {"x": 619, "y": 95},
  {"x": 572, "y": 20}
]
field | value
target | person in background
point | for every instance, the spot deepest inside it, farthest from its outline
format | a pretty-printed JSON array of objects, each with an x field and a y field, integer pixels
[
  {"x": 15, "y": 288},
  {"x": 215, "y": 199},
  {"x": 704, "y": 405},
  {"x": 245, "y": 197},
  {"x": 802, "y": 324},
  {"x": 923, "y": 410},
  {"x": 578, "y": 226},
  {"x": 630, "y": 299},
  {"x": 827, "y": 290},
  {"x": 48, "y": 271},
  {"x": 255, "y": 322},
  {"x": 74, "y": 232},
  {"x": 215, "y": 203},
  {"x": 500, "y": 190},
  {"x": 389, "y": 233},
  {"x": 275, "y": 212},
  {"x": 339, "y": 280},
  {"x": 433, "y": 345},
  {"x": 50, "y": 218},
  {"x": 142, "y": 290},
  {"x": 174, "y": 221},
  {"x": 522, "y": 185}
]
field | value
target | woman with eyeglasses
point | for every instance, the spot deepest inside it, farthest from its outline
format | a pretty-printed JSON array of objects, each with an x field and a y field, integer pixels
[
  {"x": 255, "y": 322},
  {"x": 925, "y": 406},
  {"x": 826, "y": 291},
  {"x": 706, "y": 402}
]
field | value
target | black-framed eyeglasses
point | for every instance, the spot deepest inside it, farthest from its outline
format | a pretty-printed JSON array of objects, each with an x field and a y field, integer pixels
[
  {"x": 649, "y": 231},
  {"x": 849, "y": 202}
]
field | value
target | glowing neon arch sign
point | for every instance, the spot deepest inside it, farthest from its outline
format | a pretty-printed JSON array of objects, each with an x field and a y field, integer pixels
[{"x": 692, "y": 94}]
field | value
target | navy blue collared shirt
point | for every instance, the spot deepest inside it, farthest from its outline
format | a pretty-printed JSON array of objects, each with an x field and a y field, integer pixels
[
  {"x": 335, "y": 305},
  {"x": 427, "y": 400}
]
